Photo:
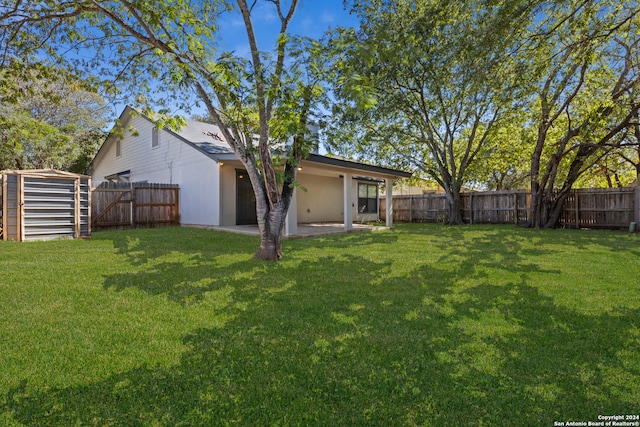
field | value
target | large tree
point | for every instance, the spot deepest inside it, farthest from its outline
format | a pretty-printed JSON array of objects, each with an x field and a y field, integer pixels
[
  {"x": 583, "y": 58},
  {"x": 438, "y": 82},
  {"x": 49, "y": 118},
  {"x": 429, "y": 81},
  {"x": 631, "y": 151},
  {"x": 161, "y": 49}
]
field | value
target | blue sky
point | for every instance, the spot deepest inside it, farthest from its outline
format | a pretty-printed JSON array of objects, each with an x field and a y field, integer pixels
[{"x": 312, "y": 19}]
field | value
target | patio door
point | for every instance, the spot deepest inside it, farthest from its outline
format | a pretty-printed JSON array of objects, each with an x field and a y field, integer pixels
[{"x": 245, "y": 200}]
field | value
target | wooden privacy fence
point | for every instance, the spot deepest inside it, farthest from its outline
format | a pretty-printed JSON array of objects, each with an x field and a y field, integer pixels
[
  {"x": 132, "y": 205},
  {"x": 612, "y": 208},
  {"x": 602, "y": 208}
]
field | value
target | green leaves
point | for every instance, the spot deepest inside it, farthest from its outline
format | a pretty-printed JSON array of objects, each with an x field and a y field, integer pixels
[
  {"x": 426, "y": 84},
  {"x": 586, "y": 74},
  {"x": 487, "y": 92},
  {"x": 28, "y": 143},
  {"x": 49, "y": 118}
]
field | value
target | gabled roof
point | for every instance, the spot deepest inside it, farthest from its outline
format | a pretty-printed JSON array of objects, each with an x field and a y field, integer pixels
[
  {"x": 199, "y": 135},
  {"x": 196, "y": 134},
  {"x": 207, "y": 138}
]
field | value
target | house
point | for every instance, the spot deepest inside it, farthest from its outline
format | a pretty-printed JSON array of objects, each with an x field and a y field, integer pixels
[{"x": 214, "y": 187}]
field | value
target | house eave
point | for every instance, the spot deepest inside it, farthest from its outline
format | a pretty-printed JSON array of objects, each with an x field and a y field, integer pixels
[{"x": 353, "y": 165}]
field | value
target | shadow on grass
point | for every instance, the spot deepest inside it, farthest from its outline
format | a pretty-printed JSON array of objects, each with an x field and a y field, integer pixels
[
  {"x": 345, "y": 241},
  {"x": 142, "y": 245},
  {"x": 244, "y": 371},
  {"x": 177, "y": 266},
  {"x": 438, "y": 344},
  {"x": 183, "y": 263},
  {"x": 520, "y": 359}
]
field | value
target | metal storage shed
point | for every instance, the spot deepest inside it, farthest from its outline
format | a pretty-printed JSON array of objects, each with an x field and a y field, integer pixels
[{"x": 44, "y": 204}]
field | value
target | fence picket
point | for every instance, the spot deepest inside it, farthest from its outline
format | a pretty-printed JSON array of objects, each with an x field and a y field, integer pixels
[
  {"x": 611, "y": 208},
  {"x": 131, "y": 205}
]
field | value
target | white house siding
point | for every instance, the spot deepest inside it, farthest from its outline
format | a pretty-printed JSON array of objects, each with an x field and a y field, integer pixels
[
  {"x": 323, "y": 200},
  {"x": 199, "y": 193},
  {"x": 172, "y": 162},
  {"x": 228, "y": 199}
]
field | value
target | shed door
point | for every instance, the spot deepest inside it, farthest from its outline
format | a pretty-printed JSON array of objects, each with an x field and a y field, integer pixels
[
  {"x": 49, "y": 208},
  {"x": 245, "y": 200}
]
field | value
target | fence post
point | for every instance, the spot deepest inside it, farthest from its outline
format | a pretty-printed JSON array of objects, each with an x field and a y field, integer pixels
[
  {"x": 411, "y": 208},
  {"x": 133, "y": 206},
  {"x": 577, "y": 207},
  {"x": 636, "y": 201},
  {"x": 176, "y": 193}
]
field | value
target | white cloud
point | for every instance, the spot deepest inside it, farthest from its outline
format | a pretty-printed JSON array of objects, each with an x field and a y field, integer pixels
[
  {"x": 327, "y": 17},
  {"x": 264, "y": 12}
]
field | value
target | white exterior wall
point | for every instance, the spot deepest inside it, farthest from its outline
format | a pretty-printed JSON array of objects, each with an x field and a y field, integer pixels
[
  {"x": 172, "y": 162},
  {"x": 323, "y": 200},
  {"x": 228, "y": 199}
]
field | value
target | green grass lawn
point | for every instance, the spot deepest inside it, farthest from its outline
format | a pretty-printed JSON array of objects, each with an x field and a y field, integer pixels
[{"x": 419, "y": 325}]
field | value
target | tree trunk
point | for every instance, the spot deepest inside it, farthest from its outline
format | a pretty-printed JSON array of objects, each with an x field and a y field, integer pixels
[
  {"x": 535, "y": 212},
  {"x": 454, "y": 207},
  {"x": 553, "y": 202},
  {"x": 554, "y": 210},
  {"x": 537, "y": 190},
  {"x": 271, "y": 230},
  {"x": 271, "y": 220}
]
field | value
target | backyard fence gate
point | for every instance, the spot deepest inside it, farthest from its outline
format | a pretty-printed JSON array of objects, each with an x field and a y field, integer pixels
[{"x": 133, "y": 205}]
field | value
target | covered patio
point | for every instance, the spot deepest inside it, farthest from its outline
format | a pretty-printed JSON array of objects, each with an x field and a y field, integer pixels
[{"x": 333, "y": 195}]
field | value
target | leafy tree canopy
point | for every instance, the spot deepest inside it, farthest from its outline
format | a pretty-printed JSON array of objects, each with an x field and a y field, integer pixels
[
  {"x": 585, "y": 70},
  {"x": 428, "y": 84},
  {"x": 163, "y": 53},
  {"x": 490, "y": 91},
  {"x": 48, "y": 118}
]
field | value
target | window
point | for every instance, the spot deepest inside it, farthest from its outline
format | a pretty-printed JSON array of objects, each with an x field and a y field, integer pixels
[
  {"x": 118, "y": 148},
  {"x": 155, "y": 138},
  {"x": 367, "y": 198}
]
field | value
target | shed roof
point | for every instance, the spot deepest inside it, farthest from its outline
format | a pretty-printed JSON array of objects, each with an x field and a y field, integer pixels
[{"x": 45, "y": 173}]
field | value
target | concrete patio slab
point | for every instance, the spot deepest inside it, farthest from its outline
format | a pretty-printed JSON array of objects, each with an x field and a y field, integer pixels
[{"x": 304, "y": 230}]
